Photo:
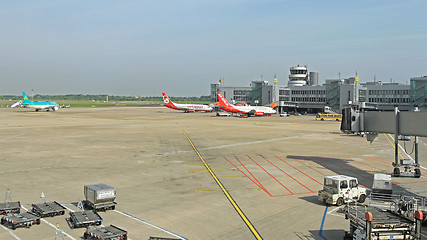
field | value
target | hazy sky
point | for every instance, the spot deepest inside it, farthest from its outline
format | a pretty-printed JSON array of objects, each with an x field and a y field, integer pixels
[{"x": 180, "y": 47}]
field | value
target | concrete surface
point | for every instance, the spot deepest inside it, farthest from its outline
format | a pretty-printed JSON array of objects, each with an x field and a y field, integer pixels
[{"x": 272, "y": 167}]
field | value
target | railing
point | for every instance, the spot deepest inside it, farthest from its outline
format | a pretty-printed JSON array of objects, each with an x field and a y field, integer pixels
[{"x": 403, "y": 205}]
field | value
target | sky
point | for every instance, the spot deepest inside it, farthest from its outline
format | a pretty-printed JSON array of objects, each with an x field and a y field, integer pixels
[{"x": 145, "y": 47}]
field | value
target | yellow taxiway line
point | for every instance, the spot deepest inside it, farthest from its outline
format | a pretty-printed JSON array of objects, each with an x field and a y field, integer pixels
[
  {"x": 229, "y": 189},
  {"x": 236, "y": 207}
]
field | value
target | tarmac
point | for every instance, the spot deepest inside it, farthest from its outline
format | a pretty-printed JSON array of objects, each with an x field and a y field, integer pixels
[{"x": 188, "y": 175}]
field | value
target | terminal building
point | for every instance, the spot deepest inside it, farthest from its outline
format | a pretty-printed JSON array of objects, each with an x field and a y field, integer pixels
[{"x": 304, "y": 94}]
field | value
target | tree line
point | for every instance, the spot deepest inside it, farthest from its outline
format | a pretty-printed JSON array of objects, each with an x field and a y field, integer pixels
[{"x": 91, "y": 97}]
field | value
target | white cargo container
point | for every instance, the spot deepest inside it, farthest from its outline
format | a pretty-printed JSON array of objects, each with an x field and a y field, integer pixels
[{"x": 382, "y": 184}]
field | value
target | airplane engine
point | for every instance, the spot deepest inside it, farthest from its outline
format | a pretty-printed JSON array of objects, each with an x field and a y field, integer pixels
[
  {"x": 191, "y": 110},
  {"x": 55, "y": 108},
  {"x": 259, "y": 114}
]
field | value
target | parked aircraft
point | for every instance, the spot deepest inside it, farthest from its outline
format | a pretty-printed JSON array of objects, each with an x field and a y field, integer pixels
[
  {"x": 185, "y": 107},
  {"x": 39, "y": 105},
  {"x": 248, "y": 110}
]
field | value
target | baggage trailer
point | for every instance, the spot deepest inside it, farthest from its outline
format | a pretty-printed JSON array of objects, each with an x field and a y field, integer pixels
[
  {"x": 368, "y": 222},
  {"x": 10, "y": 207},
  {"x": 100, "y": 197},
  {"x": 84, "y": 219},
  {"x": 48, "y": 209},
  {"x": 106, "y": 233},
  {"x": 16, "y": 220}
]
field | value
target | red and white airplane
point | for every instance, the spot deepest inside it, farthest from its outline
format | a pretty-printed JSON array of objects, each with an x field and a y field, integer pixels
[
  {"x": 249, "y": 110},
  {"x": 185, "y": 107}
]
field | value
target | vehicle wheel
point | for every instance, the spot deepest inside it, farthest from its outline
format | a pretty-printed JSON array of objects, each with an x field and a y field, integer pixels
[
  {"x": 322, "y": 119},
  {"x": 38, "y": 221},
  {"x": 417, "y": 173},
  {"x": 63, "y": 212},
  {"x": 337, "y": 120},
  {"x": 2, "y": 221},
  {"x": 340, "y": 201},
  {"x": 125, "y": 237},
  {"x": 113, "y": 207},
  {"x": 362, "y": 198},
  {"x": 85, "y": 236},
  {"x": 396, "y": 172},
  {"x": 13, "y": 226}
]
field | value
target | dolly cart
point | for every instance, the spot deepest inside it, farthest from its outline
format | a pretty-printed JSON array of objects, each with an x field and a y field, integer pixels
[
  {"x": 106, "y": 233},
  {"x": 84, "y": 219},
  {"x": 48, "y": 209},
  {"x": 10, "y": 207},
  {"x": 16, "y": 220}
]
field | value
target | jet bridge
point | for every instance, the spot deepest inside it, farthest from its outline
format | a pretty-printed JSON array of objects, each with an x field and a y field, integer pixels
[{"x": 357, "y": 119}]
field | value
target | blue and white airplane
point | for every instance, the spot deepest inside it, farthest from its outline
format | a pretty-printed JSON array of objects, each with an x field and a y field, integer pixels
[{"x": 39, "y": 105}]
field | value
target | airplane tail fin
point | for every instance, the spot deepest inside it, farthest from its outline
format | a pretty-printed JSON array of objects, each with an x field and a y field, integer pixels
[
  {"x": 25, "y": 97},
  {"x": 166, "y": 101},
  {"x": 222, "y": 101}
]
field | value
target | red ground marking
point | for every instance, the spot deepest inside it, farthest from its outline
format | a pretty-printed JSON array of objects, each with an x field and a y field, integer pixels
[
  {"x": 309, "y": 166},
  {"x": 377, "y": 161},
  {"x": 259, "y": 185},
  {"x": 414, "y": 182},
  {"x": 271, "y": 175},
  {"x": 288, "y": 174},
  {"x": 298, "y": 170},
  {"x": 249, "y": 172}
]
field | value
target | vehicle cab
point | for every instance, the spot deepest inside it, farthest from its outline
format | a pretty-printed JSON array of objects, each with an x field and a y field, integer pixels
[{"x": 340, "y": 189}]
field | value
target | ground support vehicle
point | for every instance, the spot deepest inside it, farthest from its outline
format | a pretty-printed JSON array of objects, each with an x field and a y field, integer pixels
[
  {"x": 341, "y": 189},
  {"x": 368, "y": 222},
  {"x": 10, "y": 207},
  {"x": 100, "y": 197},
  {"x": 48, "y": 209},
  {"x": 406, "y": 168},
  {"x": 106, "y": 233},
  {"x": 84, "y": 219},
  {"x": 16, "y": 220}
]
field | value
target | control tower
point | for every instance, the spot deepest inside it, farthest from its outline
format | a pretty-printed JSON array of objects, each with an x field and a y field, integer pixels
[{"x": 298, "y": 76}]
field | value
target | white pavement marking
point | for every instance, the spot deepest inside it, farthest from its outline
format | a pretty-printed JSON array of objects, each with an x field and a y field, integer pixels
[
  {"x": 333, "y": 214},
  {"x": 236, "y": 144},
  {"x": 50, "y": 224},
  {"x": 149, "y": 224},
  {"x": 4, "y": 139},
  {"x": 11, "y": 233}
]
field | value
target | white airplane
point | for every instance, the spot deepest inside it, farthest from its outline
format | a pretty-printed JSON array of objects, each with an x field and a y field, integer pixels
[
  {"x": 248, "y": 110},
  {"x": 185, "y": 107},
  {"x": 36, "y": 105}
]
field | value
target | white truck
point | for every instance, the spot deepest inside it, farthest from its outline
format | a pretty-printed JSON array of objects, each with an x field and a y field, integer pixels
[{"x": 340, "y": 189}]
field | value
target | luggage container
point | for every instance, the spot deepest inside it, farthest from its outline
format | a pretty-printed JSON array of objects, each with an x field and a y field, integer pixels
[
  {"x": 106, "y": 233},
  {"x": 100, "y": 197},
  {"x": 10, "y": 207},
  {"x": 84, "y": 219},
  {"x": 48, "y": 209},
  {"x": 16, "y": 220},
  {"x": 382, "y": 184}
]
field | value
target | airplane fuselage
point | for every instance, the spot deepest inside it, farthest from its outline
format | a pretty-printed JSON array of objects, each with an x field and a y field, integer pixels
[
  {"x": 249, "y": 110},
  {"x": 185, "y": 107}
]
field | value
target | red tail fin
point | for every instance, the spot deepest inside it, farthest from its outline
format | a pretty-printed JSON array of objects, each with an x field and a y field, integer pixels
[
  {"x": 222, "y": 101},
  {"x": 167, "y": 102}
]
